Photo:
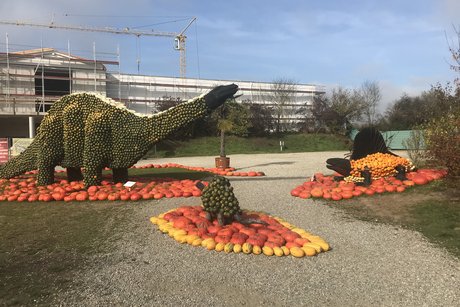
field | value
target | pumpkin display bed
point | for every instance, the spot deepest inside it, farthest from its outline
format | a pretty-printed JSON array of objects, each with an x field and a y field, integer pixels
[
  {"x": 326, "y": 187},
  {"x": 229, "y": 171},
  {"x": 189, "y": 225},
  {"x": 24, "y": 188},
  {"x": 371, "y": 169}
]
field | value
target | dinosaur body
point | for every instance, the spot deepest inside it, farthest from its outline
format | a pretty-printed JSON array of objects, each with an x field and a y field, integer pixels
[
  {"x": 90, "y": 131},
  {"x": 369, "y": 143}
]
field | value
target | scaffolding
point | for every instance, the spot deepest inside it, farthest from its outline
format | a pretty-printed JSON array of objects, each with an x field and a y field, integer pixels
[{"x": 32, "y": 79}]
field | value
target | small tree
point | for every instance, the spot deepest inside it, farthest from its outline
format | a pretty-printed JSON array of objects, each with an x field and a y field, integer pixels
[
  {"x": 260, "y": 118},
  {"x": 455, "y": 52},
  {"x": 231, "y": 118},
  {"x": 406, "y": 112},
  {"x": 325, "y": 118},
  {"x": 415, "y": 146},
  {"x": 442, "y": 137},
  {"x": 224, "y": 125},
  {"x": 442, "y": 132},
  {"x": 335, "y": 112},
  {"x": 369, "y": 95},
  {"x": 346, "y": 103},
  {"x": 283, "y": 98}
]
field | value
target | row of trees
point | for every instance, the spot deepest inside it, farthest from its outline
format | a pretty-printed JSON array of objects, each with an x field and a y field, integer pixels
[
  {"x": 335, "y": 112},
  {"x": 332, "y": 113},
  {"x": 411, "y": 112},
  {"x": 344, "y": 108}
]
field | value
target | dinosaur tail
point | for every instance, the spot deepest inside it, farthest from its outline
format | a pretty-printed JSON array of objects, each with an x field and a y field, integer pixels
[
  {"x": 248, "y": 220},
  {"x": 24, "y": 162}
]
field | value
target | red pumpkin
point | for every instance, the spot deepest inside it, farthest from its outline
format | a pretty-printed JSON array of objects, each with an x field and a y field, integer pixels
[
  {"x": 301, "y": 241},
  {"x": 316, "y": 192},
  {"x": 290, "y": 236},
  {"x": 292, "y": 244},
  {"x": 181, "y": 222},
  {"x": 134, "y": 196},
  {"x": 222, "y": 239},
  {"x": 420, "y": 179},
  {"x": 239, "y": 238},
  {"x": 272, "y": 244},
  {"x": 248, "y": 231},
  {"x": 279, "y": 240},
  {"x": 82, "y": 196},
  {"x": 57, "y": 196},
  {"x": 226, "y": 232}
]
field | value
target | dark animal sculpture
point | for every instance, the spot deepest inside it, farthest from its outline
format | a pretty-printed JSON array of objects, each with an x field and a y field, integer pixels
[
  {"x": 90, "y": 131},
  {"x": 368, "y": 141}
]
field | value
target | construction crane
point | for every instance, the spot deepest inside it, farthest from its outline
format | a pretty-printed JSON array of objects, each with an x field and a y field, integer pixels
[{"x": 179, "y": 38}]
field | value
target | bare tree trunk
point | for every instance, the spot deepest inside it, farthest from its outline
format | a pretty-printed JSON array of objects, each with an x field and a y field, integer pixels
[{"x": 222, "y": 143}]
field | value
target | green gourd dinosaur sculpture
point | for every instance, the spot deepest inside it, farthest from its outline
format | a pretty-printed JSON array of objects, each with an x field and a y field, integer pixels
[{"x": 90, "y": 131}]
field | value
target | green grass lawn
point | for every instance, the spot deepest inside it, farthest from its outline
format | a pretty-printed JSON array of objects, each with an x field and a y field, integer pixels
[
  {"x": 438, "y": 216},
  {"x": 210, "y": 146},
  {"x": 42, "y": 245}
]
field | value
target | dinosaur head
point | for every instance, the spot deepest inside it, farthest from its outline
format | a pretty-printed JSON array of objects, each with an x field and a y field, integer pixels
[{"x": 219, "y": 94}]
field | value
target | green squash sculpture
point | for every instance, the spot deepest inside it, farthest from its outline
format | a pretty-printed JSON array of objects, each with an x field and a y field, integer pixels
[{"x": 89, "y": 131}]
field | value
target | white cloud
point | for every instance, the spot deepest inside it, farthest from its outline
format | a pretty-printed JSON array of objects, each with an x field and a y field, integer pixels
[{"x": 449, "y": 11}]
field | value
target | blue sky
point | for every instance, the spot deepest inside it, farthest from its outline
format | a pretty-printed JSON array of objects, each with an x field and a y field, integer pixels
[{"x": 402, "y": 45}]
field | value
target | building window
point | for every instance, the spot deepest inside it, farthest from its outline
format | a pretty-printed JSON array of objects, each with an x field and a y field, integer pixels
[{"x": 55, "y": 82}]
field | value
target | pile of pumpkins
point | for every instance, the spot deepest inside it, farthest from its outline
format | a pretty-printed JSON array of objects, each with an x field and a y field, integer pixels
[
  {"x": 189, "y": 225},
  {"x": 327, "y": 187}
]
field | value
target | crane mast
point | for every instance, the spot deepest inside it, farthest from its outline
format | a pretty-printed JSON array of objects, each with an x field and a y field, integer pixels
[
  {"x": 180, "y": 45},
  {"x": 179, "y": 38}
]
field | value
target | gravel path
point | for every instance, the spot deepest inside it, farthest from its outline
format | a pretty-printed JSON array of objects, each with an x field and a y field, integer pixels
[{"x": 370, "y": 264}]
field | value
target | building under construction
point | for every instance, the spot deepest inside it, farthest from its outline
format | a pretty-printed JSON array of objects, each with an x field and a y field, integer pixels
[{"x": 31, "y": 80}]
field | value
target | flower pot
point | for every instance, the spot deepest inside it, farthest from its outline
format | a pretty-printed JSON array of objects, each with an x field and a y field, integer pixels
[{"x": 222, "y": 162}]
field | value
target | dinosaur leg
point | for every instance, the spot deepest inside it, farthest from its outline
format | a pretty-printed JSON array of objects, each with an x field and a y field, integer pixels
[
  {"x": 96, "y": 148},
  {"x": 45, "y": 174},
  {"x": 73, "y": 136},
  {"x": 74, "y": 174},
  {"x": 120, "y": 175},
  {"x": 51, "y": 152},
  {"x": 92, "y": 176},
  {"x": 401, "y": 175},
  {"x": 209, "y": 216},
  {"x": 220, "y": 219}
]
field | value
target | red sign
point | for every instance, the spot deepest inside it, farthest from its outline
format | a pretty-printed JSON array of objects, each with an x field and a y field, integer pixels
[{"x": 4, "y": 152}]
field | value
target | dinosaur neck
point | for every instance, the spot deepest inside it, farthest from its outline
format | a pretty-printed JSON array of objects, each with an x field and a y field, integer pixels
[{"x": 164, "y": 123}]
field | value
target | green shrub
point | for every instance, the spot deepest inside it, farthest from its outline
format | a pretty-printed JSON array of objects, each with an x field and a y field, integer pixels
[
  {"x": 415, "y": 146},
  {"x": 442, "y": 138}
]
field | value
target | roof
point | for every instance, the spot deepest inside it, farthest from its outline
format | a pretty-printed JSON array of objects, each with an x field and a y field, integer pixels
[
  {"x": 39, "y": 51},
  {"x": 33, "y": 51}
]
